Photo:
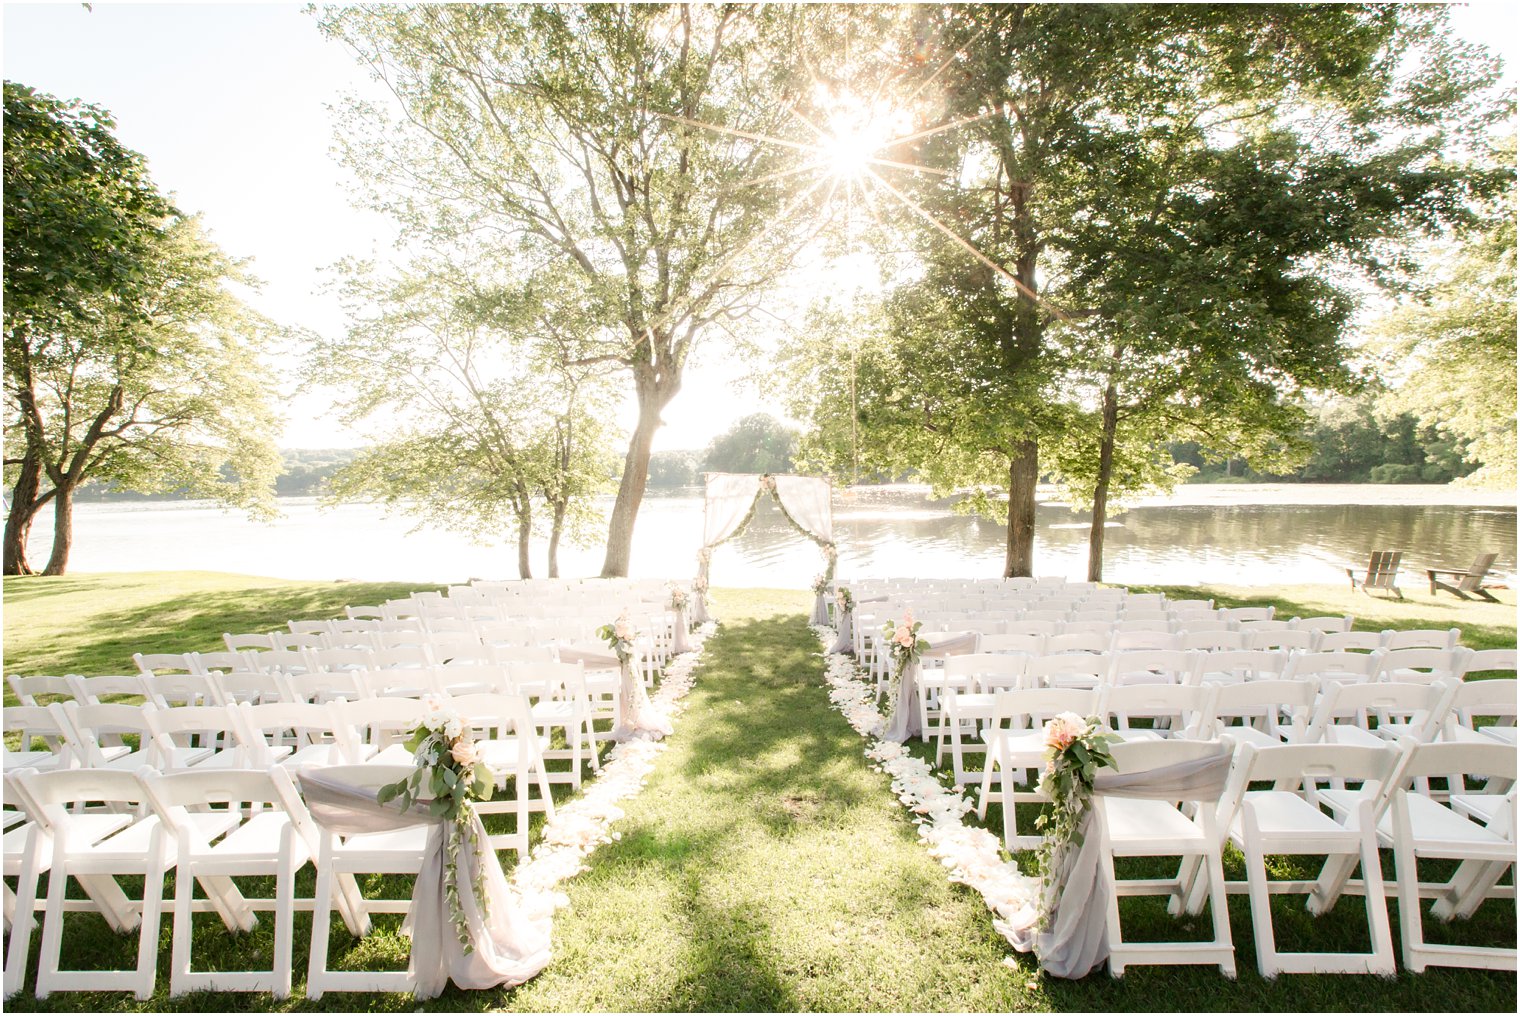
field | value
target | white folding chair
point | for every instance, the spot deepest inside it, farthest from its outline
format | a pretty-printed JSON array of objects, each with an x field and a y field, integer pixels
[
  {"x": 1238, "y": 666},
  {"x": 560, "y": 699},
  {"x": 29, "y": 723},
  {"x": 1286, "y": 639},
  {"x": 140, "y": 849},
  {"x": 1419, "y": 828},
  {"x": 1333, "y": 667},
  {"x": 250, "y": 640},
  {"x": 1287, "y": 819},
  {"x": 105, "y": 688},
  {"x": 1211, "y": 641},
  {"x": 195, "y": 737},
  {"x": 224, "y": 663},
  {"x": 273, "y": 836},
  {"x": 294, "y": 734},
  {"x": 168, "y": 691},
  {"x": 1070, "y": 670},
  {"x": 339, "y": 860},
  {"x": 972, "y": 681},
  {"x": 1350, "y": 642},
  {"x": 1153, "y": 666},
  {"x": 29, "y": 690},
  {"x": 1173, "y": 710},
  {"x": 87, "y": 728},
  {"x": 513, "y": 749},
  {"x": 1262, "y": 707},
  {"x": 1015, "y": 741},
  {"x": 1124, "y": 641},
  {"x": 1140, "y": 827},
  {"x": 1345, "y": 712},
  {"x": 375, "y": 729}
]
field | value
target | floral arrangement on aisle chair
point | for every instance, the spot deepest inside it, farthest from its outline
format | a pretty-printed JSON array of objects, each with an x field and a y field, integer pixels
[
  {"x": 619, "y": 636},
  {"x": 450, "y": 777},
  {"x": 904, "y": 647},
  {"x": 1075, "y": 749},
  {"x": 820, "y": 584}
]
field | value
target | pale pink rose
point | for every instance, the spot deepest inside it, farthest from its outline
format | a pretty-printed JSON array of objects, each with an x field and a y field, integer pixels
[
  {"x": 465, "y": 752},
  {"x": 1063, "y": 729},
  {"x": 903, "y": 636}
]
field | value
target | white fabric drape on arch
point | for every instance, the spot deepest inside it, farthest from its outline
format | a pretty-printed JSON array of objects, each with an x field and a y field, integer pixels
[{"x": 731, "y": 497}]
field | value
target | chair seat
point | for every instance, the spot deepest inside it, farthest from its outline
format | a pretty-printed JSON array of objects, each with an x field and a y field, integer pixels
[
  {"x": 1250, "y": 735},
  {"x": 1282, "y": 814},
  {"x": 556, "y": 711},
  {"x": 1344, "y": 733},
  {"x": 504, "y": 754},
  {"x": 1482, "y": 807},
  {"x": 1140, "y": 734},
  {"x": 132, "y": 842},
  {"x": 1133, "y": 821},
  {"x": 39, "y": 760},
  {"x": 1435, "y": 824},
  {"x": 259, "y": 837},
  {"x": 1503, "y": 734},
  {"x": 316, "y": 756},
  {"x": 971, "y": 705},
  {"x": 391, "y": 755}
]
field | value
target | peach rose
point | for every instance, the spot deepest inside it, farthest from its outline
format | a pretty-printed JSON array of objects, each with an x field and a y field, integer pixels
[
  {"x": 903, "y": 636},
  {"x": 465, "y": 752}
]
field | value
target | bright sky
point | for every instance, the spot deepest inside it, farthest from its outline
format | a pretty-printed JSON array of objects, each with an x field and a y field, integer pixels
[{"x": 229, "y": 103}]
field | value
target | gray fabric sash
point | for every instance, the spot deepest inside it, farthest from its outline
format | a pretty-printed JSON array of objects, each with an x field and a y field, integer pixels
[
  {"x": 1075, "y": 941},
  {"x": 682, "y": 642},
  {"x": 906, "y": 719},
  {"x": 509, "y": 946}
]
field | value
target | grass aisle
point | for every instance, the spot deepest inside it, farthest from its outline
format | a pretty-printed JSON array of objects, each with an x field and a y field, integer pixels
[{"x": 765, "y": 867}]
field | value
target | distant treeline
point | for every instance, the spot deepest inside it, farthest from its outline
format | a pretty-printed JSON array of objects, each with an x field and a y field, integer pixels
[
  {"x": 1352, "y": 442},
  {"x": 306, "y": 474}
]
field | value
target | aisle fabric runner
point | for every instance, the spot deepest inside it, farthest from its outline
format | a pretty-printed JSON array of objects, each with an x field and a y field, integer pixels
[
  {"x": 972, "y": 855},
  {"x": 582, "y": 824}
]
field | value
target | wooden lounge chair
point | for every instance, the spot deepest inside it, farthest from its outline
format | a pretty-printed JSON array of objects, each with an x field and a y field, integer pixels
[
  {"x": 1469, "y": 581},
  {"x": 1382, "y": 573}
]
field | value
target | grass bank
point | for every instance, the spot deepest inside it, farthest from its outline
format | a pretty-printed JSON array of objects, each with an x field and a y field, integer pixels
[{"x": 763, "y": 867}]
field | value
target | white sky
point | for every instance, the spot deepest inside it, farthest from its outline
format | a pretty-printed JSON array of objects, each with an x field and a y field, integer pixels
[{"x": 228, "y": 102}]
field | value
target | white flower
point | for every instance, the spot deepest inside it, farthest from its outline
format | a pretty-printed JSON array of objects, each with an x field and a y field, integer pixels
[{"x": 453, "y": 727}]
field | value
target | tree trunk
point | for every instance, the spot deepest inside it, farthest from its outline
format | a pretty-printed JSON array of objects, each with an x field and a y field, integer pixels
[
  {"x": 1023, "y": 476},
  {"x": 524, "y": 531},
  {"x": 556, "y": 528},
  {"x": 1100, "y": 489},
  {"x": 18, "y": 523},
  {"x": 653, "y": 397},
  {"x": 63, "y": 530}
]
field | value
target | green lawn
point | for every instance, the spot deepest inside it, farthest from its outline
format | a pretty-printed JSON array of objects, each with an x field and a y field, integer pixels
[{"x": 764, "y": 866}]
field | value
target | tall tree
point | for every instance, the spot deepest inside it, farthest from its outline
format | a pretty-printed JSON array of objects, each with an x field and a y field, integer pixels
[
  {"x": 1454, "y": 344},
  {"x": 155, "y": 389},
  {"x": 1117, "y": 167},
  {"x": 573, "y": 136},
  {"x": 479, "y": 418},
  {"x": 80, "y": 215}
]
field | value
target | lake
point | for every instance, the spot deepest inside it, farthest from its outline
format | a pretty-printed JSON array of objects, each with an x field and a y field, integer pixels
[{"x": 1243, "y": 534}]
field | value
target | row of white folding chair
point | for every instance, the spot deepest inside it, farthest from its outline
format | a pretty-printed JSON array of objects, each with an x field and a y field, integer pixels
[
  {"x": 1268, "y": 712},
  {"x": 1312, "y": 808},
  {"x": 96, "y": 825},
  {"x": 1289, "y": 819}
]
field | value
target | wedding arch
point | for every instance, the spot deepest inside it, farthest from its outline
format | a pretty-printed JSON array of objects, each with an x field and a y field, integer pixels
[{"x": 806, "y": 501}]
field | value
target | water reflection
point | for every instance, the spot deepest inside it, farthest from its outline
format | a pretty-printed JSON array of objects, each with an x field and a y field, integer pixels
[{"x": 889, "y": 531}]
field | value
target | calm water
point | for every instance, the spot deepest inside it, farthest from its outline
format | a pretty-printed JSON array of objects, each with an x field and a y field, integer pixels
[{"x": 1252, "y": 535}]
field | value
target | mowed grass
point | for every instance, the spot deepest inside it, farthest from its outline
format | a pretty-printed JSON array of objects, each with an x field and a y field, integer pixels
[{"x": 764, "y": 866}]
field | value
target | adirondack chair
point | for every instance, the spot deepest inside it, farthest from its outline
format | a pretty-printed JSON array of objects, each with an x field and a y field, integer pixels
[
  {"x": 1469, "y": 581},
  {"x": 1382, "y": 573}
]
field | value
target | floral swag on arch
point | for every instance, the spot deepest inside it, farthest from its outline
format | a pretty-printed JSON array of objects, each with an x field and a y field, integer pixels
[{"x": 731, "y": 502}]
